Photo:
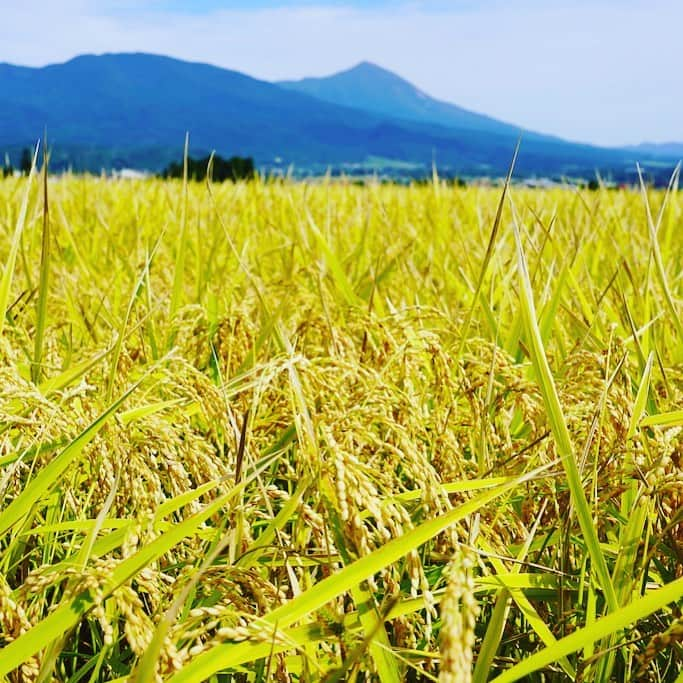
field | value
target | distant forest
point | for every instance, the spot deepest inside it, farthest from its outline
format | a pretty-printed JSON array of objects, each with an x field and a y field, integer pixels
[{"x": 234, "y": 168}]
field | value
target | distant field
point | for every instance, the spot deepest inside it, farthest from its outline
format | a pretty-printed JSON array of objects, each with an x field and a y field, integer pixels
[{"x": 292, "y": 432}]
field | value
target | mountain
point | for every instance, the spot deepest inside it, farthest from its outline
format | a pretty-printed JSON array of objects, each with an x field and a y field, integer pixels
[
  {"x": 670, "y": 150},
  {"x": 371, "y": 88},
  {"x": 133, "y": 110},
  {"x": 135, "y": 102}
]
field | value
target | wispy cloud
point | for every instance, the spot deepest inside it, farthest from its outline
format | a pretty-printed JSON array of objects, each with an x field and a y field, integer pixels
[{"x": 602, "y": 71}]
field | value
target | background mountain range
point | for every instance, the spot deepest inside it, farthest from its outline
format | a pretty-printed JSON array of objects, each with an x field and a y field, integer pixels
[{"x": 132, "y": 110}]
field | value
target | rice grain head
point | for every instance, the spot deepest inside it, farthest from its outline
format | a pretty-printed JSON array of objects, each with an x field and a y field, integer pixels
[{"x": 459, "y": 611}]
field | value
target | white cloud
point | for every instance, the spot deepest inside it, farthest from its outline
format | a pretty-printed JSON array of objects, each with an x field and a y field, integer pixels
[{"x": 604, "y": 71}]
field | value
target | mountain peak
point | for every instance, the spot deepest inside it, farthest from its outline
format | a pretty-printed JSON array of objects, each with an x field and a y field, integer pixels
[
  {"x": 366, "y": 71},
  {"x": 373, "y": 88},
  {"x": 367, "y": 67}
]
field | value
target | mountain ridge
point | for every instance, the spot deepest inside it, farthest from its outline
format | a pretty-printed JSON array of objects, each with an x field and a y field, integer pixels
[
  {"x": 663, "y": 149},
  {"x": 133, "y": 109},
  {"x": 371, "y": 87}
]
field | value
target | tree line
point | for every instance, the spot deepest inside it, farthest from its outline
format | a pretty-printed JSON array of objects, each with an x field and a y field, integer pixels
[
  {"x": 234, "y": 168},
  {"x": 24, "y": 164}
]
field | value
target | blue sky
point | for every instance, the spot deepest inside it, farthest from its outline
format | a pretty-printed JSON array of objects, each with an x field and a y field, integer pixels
[
  {"x": 600, "y": 71},
  {"x": 201, "y": 6}
]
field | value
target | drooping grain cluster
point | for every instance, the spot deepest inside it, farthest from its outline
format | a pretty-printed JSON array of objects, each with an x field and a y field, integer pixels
[{"x": 192, "y": 484}]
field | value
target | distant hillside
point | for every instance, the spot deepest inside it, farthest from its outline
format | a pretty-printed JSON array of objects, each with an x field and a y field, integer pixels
[
  {"x": 371, "y": 88},
  {"x": 133, "y": 110},
  {"x": 671, "y": 150},
  {"x": 132, "y": 102}
]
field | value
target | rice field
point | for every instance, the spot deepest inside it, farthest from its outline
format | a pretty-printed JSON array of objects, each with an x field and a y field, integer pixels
[{"x": 326, "y": 432}]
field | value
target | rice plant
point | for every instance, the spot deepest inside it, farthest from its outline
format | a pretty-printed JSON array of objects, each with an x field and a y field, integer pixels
[{"x": 322, "y": 432}]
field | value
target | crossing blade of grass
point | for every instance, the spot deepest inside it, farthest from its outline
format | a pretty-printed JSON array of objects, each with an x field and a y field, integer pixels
[
  {"x": 626, "y": 575},
  {"x": 656, "y": 251},
  {"x": 76, "y": 525},
  {"x": 336, "y": 269},
  {"x": 8, "y": 273},
  {"x": 496, "y": 625},
  {"x": 376, "y": 640},
  {"x": 373, "y": 622},
  {"x": 68, "y": 614},
  {"x": 558, "y": 426},
  {"x": 292, "y": 639},
  {"x": 51, "y": 473},
  {"x": 251, "y": 557},
  {"x": 616, "y": 621},
  {"x": 641, "y": 397},
  {"x": 146, "y": 669},
  {"x": 179, "y": 272},
  {"x": 670, "y": 419},
  {"x": 44, "y": 282},
  {"x": 464, "y": 334},
  {"x": 141, "y": 412},
  {"x": 50, "y": 656},
  {"x": 550, "y": 312},
  {"x": 75, "y": 372},
  {"x": 121, "y": 333},
  {"x": 115, "y": 538},
  {"x": 466, "y": 486},
  {"x": 524, "y": 605},
  {"x": 227, "y": 655},
  {"x": 494, "y": 633},
  {"x": 271, "y": 321},
  {"x": 628, "y": 498},
  {"x": 376, "y": 637}
]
